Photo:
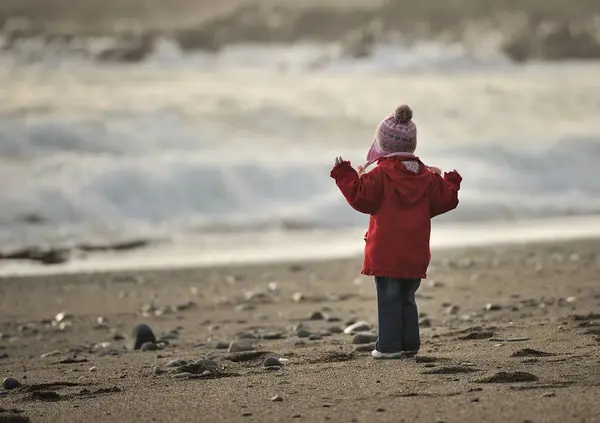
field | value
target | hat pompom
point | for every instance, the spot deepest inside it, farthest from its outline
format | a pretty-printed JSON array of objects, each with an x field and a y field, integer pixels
[{"x": 403, "y": 114}]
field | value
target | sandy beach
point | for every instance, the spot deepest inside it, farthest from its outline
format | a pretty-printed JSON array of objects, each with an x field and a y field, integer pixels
[{"x": 510, "y": 334}]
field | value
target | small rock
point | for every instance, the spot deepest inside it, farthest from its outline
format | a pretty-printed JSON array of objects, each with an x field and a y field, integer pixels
[
  {"x": 50, "y": 354},
  {"x": 365, "y": 348},
  {"x": 314, "y": 337},
  {"x": 276, "y": 398},
  {"x": 235, "y": 346},
  {"x": 364, "y": 338},
  {"x": 183, "y": 375},
  {"x": 176, "y": 363},
  {"x": 247, "y": 335},
  {"x": 10, "y": 383},
  {"x": 380, "y": 409},
  {"x": 62, "y": 316},
  {"x": 303, "y": 333},
  {"x": 270, "y": 336},
  {"x": 141, "y": 334},
  {"x": 493, "y": 307},
  {"x": 298, "y": 297},
  {"x": 150, "y": 346},
  {"x": 335, "y": 330},
  {"x": 571, "y": 299},
  {"x": 548, "y": 394},
  {"x": 452, "y": 309},
  {"x": 222, "y": 345},
  {"x": 317, "y": 315},
  {"x": 244, "y": 307},
  {"x": 425, "y": 322},
  {"x": 271, "y": 362},
  {"x": 356, "y": 327},
  {"x": 157, "y": 371}
]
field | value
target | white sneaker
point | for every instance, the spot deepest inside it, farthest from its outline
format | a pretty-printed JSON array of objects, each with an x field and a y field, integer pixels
[{"x": 386, "y": 356}]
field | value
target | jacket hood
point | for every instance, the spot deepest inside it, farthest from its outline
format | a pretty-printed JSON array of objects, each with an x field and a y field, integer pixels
[{"x": 408, "y": 185}]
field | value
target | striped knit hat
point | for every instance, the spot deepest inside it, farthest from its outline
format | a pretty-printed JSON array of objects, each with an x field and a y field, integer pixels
[{"x": 396, "y": 136}]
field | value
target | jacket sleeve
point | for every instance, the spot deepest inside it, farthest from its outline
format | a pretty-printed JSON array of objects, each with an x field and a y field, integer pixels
[
  {"x": 363, "y": 193},
  {"x": 444, "y": 193}
]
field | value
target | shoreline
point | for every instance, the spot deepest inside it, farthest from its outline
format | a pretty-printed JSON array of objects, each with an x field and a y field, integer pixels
[{"x": 313, "y": 246}]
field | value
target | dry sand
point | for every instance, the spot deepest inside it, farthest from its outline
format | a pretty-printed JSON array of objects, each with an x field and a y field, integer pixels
[{"x": 542, "y": 327}]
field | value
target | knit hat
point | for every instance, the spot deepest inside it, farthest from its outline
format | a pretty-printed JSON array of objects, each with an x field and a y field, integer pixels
[{"x": 396, "y": 136}]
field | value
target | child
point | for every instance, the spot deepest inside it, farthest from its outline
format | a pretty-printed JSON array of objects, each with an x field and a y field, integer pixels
[{"x": 402, "y": 195}]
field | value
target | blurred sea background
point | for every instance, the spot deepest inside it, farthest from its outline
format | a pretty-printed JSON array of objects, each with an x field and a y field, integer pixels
[{"x": 206, "y": 130}]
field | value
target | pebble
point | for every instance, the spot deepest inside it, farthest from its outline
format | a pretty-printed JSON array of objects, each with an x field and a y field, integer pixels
[
  {"x": 150, "y": 346},
  {"x": 10, "y": 383},
  {"x": 247, "y": 335},
  {"x": 271, "y": 362},
  {"x": 176, "y": 363},
  {"x": 571, "y": 299},
  {"x": 425, "y": 322},
  {"x": 141, "y": 334},
  {"x": 157, "y": 371},
  {"x": 493, "y": 307},
  {"x": 314, "y": 337},
  {"x": 183, "y": 375},
  {"x": 452, "y": 309},
  {"x": 380, "y": 409},
  {"x": 335, "y": 330},
  {"x": 50, "y": 354},
  {"x": 297, "y": 297},
  {"x": 356, "y": 327},
  {"x": 303, "y": 333},
  {"x": 244, "y": 307},
  {"x": 276, "y": 398},
  {"x": 62, "y": 316},
  {"x": 269, "y": 336},
  {"x": 365, "y": 348},
  {"x": 364, "y": 338},
  {"x": 235, "y": 346},
  {"x": 222, "y": 345},
  {"x": 317, "y": 315},
  {"x": 93, "y": 369},
  {"x": 548, "y": 394}
]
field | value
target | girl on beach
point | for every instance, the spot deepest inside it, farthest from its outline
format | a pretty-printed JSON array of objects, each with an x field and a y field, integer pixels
[{"x": 401, "y": 195}]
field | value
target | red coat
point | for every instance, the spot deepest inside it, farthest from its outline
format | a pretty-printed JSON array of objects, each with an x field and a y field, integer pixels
[{"x": 401, "y": 204}]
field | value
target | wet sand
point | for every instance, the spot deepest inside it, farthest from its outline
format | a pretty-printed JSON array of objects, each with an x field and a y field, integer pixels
[{"x": 511, "y": 339}]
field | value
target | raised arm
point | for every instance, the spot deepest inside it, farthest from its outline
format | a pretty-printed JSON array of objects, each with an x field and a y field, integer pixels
[
  {"x": 363, "y": 193},
  {"x": 444, "y": 193}
]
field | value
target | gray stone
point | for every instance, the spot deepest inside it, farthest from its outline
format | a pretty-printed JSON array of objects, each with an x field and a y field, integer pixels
[
  {"x": 222, "y": 345},
  {"x": 364, "y": 338},
  {"x": 10, "y": 383},
  {"x": 276, "y": 398},
  {"x": 271, "y": 362},
  {"x": 141, "y": 334},
  {"x": 150, "y": 346},
  {"x": 303, "y": 333},
  {"x": 493, "y": 307},
  {"x": 425, "y": 322},
  {"x": 236, "y": 346},
  {"x": 317, "y": 315},
  {"x": 314, "y": 337},
  {"x": 356, "y": 327},
  {"x": 335, "y": 330},
  {"x": 176, "y": 363}
]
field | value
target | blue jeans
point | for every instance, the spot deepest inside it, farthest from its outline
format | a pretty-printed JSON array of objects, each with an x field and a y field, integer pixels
[{"x": 398, "y": 328}]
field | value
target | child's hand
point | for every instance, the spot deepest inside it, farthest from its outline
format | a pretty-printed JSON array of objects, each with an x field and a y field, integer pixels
[
  {"x": 360, "y": 170},
  {"x": 435, "y": 170},
  {"x": 338, "y": 160}
]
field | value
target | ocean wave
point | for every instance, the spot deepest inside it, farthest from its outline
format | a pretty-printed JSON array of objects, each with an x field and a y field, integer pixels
[{"x": 77, "y": 183}]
